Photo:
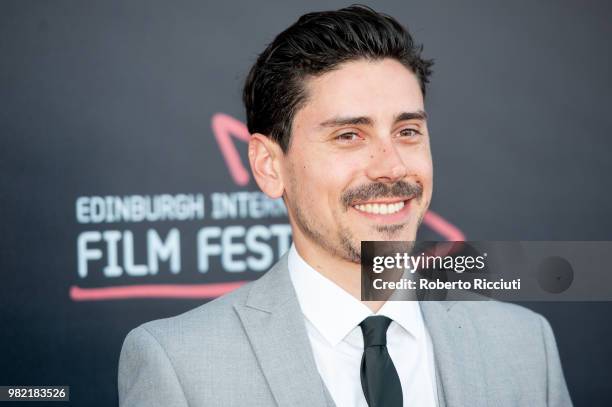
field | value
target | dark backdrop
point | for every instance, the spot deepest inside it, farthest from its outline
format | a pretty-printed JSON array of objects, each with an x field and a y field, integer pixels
[{"x": 106, "y": 98}]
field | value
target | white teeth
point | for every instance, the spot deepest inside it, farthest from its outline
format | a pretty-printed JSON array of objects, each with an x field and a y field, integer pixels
[{"x": 383, "y": 209}]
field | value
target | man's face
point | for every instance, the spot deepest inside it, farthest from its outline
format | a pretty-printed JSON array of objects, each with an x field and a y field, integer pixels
[{"x": 359, "y": 163}]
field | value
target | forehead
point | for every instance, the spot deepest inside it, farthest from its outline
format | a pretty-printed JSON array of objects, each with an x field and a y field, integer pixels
[{"x": 377, "y": 89}]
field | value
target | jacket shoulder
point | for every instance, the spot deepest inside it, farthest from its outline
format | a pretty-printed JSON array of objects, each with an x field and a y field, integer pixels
[
  {"x": 217, "y": 317},
  {"x": 520, "y": 340},
  {"x": 491, "y": 311},
  {"x": 196, "y": 355}
]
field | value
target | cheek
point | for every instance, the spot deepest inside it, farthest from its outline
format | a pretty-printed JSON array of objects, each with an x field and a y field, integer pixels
[
  {"x": 329, "y": 178},
  {"x": 425, "y": 171},
  {"x": 334, "y": 172},
  {"x": 419, "y": 164},
  {"x": 425, "y": 174},
  {"x": 311, "y": 185}
]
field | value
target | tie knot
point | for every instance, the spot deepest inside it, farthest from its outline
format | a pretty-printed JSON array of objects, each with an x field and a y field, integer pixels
[{"x": 374, "y": 330}]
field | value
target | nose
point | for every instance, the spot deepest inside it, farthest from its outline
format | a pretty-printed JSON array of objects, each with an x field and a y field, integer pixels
[{"x": 386, "y": 163}]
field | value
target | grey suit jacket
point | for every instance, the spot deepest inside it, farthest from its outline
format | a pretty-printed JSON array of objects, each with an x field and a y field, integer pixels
[{"x": 250, "y": 348}]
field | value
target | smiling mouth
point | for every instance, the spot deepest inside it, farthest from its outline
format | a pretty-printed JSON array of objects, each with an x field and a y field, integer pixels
[
  {"x": 380, "y": 209},
  {"x": 387, "y": 207}
]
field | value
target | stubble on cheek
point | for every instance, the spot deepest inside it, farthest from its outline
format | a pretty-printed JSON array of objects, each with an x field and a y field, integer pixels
[
  {"x": 351, "y": 252},
  {"x": 338, "y": 243},
  {"x": 322, "y": 235}
]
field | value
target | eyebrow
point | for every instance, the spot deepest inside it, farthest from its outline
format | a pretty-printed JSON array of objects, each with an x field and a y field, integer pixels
[{"x": 364, "y": 120}]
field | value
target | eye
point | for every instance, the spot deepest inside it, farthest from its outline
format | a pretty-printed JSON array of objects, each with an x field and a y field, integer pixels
[
  {"x": 410, "y": 133},
  {"x": 351, "y": 136}
]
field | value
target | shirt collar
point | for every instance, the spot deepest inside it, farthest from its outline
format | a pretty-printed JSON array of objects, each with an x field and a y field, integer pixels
[{"x": 333, "y": 311}]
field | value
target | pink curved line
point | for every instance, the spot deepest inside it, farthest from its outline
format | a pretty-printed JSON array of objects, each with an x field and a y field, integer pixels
[
  {"x": 224, "y": 127},
  {"x": 443, "y": 227},
  {"x": 196, "y": 291}
]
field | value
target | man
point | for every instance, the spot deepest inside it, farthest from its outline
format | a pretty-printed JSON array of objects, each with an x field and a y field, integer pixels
[{"x": 335, "y": 106}]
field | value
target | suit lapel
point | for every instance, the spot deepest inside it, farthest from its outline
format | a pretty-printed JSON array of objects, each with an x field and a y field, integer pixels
[
  {"x": 459, "y": 367},
  {"x": 274, "y": 323}
]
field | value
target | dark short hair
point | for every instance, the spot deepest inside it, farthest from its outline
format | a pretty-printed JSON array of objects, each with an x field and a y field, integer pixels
[{"x": 315, "y": 44}]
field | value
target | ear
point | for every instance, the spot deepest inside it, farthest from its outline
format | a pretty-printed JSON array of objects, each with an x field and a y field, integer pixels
[{"x": 265, "y": 157}]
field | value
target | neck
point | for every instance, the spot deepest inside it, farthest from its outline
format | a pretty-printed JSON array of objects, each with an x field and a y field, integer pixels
[{"x": 344, "y": 273}]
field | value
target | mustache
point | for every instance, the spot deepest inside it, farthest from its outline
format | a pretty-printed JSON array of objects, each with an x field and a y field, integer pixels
[{"x": 399, "y": 189}]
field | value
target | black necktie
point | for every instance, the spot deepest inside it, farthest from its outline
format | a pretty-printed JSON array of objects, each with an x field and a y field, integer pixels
[{"x": 379, "y": 380}]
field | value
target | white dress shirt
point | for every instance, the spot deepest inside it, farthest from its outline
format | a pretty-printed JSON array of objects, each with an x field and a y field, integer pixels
[{"x": 332, "y": 318}]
